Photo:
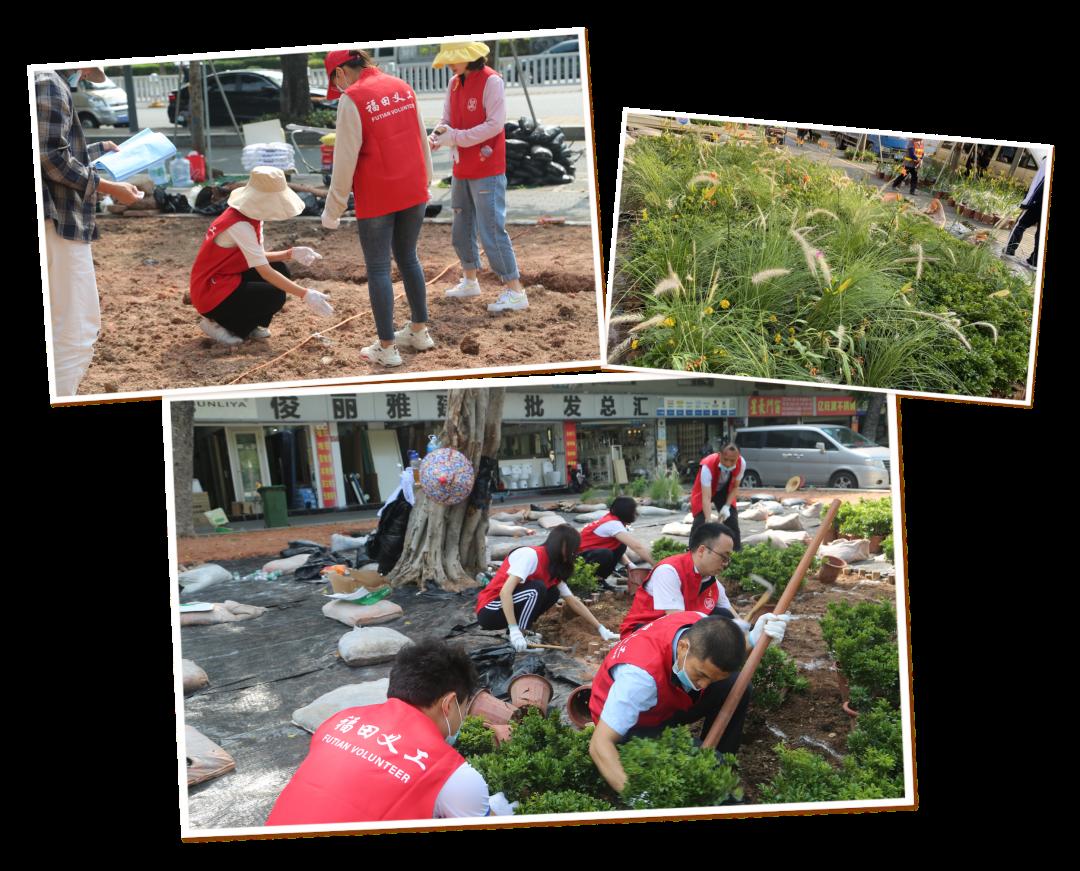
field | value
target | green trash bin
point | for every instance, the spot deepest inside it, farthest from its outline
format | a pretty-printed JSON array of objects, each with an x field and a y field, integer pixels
[{"x": 275, "y": 505}]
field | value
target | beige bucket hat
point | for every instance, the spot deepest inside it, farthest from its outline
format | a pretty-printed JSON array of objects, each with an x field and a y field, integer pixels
[
  {"x": 459, "y": 53},
  {"x": 266, "y": 196}
]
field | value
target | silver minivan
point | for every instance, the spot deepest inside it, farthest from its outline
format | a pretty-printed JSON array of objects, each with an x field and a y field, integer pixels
[
  {"x": 826, "y": 455},
  {"x": 99, "y": 104}
]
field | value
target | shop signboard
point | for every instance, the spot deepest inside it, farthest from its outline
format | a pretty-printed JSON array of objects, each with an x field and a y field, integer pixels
[{"x": 325, "y": 460}]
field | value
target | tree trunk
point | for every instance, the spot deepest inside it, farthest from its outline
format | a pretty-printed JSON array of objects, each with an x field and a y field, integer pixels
[
  {"x": 446, "y": 545},
  {"x": 295, "y": 93},
  {"x": 873, "y": 415},
  {"x": 183, "y": 445},
  {"x": 196, "y": 108}
]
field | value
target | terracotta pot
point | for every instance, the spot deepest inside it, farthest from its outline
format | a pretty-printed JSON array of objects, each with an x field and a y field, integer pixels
[
  {"x": 502, "y": 733},
  {"x": 880, "y": 174},
  {"x": 494, "y": 711},
  {"x": 875, "y": 543},
  {"x": 952, "y": 203},
  {"x": 940, "y": 195},
  {"x": 577, "y": 706},
  {"x": 845, "y": 692},
  {"x": 531, "y": 689},
  {"x": 831, "y": 567},
  {"x": 634, "y": 579}
]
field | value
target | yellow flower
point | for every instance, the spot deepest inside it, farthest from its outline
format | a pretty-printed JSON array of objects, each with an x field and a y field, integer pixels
[
  {"x": 725, "y": 304},
  {"x": 844, "y": 285},
  {"x": 791, "y": 330},
  {"x": 644, "y": 214},
  {"x": 778, "y": 338},
  {"x": 708, "y": 310},
  {"x": 669, "y": 322},
  {"x": 671, "y": 342},
  {"x": 772, "y": 319},
  {"x": 634, "y": 344}
]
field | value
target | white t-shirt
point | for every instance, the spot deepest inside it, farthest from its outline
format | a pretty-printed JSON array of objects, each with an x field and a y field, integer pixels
[
  {"x": 666, "y": 589},
  {"x": 242, "y": 235},
  {"x": 610, "y": 529},
  {"x": 523, "y": 563},
  {"x": 465, "y": 794}
]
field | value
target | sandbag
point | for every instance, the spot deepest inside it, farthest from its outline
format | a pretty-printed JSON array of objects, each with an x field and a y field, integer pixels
[
  {"x": 812, "y": 512},
  {"x": 205, "y": 760},
  {"x": 347, "y": 542},
  {"x": 583, "y": 507},
  {"x": 784, "y": 521},
  {"x": 369, "y": 645},
  {"x": 773, "y": 507},
  {"x": 291, "y": 564},
  {"x": 757, "y": 513},
  {"x": 680, "y": 529},
  {"x": 762, "y": 497},
  {"x": 507, "y": 517},
  {"x": 741, "y": 506},
  {"x": 591, "y": 516},
  {"x": 499, "y": 552},
  {"x": 362, "y": 615},
  {"x": 539, "y": 515},
  {"x": 194, "y": 677},
  {"x": 497, "y": 528},
  {"x": 223, "y": 612},
  {"x": 313, "y": 715},
  {"x": 653, "y": 511},
  {"x": 778, "y": 538},
  {"x": 689, "y": 518},
  {"x": 203, "y": 576},
  {"x": 551, "y": 521},
  {"x": 849, "y": 550},
  {"x": 792, "y": 503}
]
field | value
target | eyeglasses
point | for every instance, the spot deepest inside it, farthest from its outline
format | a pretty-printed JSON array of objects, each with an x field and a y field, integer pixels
[{"x": 726, "y": 557}]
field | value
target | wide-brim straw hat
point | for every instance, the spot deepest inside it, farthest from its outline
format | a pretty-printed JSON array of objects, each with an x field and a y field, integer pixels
[
  {"x": 266, "y": 196},
  {"x": 459, "y": 53}
]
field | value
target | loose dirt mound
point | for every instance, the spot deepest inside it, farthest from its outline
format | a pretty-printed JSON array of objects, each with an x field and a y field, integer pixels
[{"x": 150, "y": 339}]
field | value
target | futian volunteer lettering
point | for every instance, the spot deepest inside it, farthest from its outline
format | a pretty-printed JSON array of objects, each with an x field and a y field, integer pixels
[{"x": 387, "y": 740}]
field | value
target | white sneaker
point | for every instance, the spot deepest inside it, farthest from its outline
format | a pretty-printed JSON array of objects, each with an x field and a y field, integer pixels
[
  {"x": 419, "y": 341},
  {"x": 218, "y": 333},
  {"x": 465, "y": 287},
  {"x": 384, "y": 356},
  {"x": 259, "y": 333},
  {"x": 509, "y": 300}
]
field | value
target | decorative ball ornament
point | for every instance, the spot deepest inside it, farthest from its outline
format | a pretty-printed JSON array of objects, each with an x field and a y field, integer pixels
[{"x": 447, "y": 476}]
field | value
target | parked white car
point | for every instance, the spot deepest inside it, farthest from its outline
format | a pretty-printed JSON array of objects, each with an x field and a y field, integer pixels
[{"x": 825, "y": 455}]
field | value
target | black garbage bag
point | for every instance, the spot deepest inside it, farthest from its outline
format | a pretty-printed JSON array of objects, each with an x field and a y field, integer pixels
[
  {"x": 313, "y": 205},
  {"x": 515, "y": 147},
  {"x": 526, "y": 125},
  {"x": 386, "y": 543},
  {"x": 539, "y": 154},
  {"x": 511, "y": 130},
  {"x": 171, "y": 204},
  {"x": 497, "y": 666},
  {"x": 432, "y": 210},
  {"x": 485, "y": 482}
]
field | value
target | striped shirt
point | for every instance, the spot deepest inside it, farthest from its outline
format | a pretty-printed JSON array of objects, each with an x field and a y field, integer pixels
[{"x": 69, "y": 188}]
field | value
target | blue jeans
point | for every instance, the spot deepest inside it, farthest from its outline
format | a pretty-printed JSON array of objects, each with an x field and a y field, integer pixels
[
  {"x": 479, "y": 206},
  {"x": 398, "y": 231}
]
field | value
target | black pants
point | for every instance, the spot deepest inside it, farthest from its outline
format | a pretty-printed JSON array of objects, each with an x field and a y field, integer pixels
[
  {"x": 1030, "y": 217},
  {"x": 912, "y": 174},
  {"x": 731, "y": 523},
  {"x": 604, "y": 559},
  {"x": 531, "y": 599},
  {"x": 253, "y": 304},
  {"x": 708, "y": 705}
]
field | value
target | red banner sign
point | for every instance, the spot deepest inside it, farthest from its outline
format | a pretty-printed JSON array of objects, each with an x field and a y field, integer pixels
[
  {"x": 325, "y": 459},
  {"x": 570, "y": 443}
]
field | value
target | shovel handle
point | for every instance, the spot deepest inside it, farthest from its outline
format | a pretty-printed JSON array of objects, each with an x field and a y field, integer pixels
[{"x": 549, "y": 647}]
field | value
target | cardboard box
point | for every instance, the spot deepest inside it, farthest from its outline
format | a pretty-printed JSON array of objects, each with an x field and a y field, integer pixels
[
  {"x": 242, "y": 509},
  {"x": 200, "y": 502},
  {"x": 356, "y": 579}
]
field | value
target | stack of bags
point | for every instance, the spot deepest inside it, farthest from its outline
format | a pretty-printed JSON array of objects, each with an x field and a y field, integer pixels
[
  {"x": 277, "y": 154},
  {"x": 537, "y": 155}
]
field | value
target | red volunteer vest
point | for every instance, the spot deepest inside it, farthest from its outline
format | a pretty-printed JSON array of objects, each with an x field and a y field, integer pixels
[
  {"x": 591, "y": 541},
  {"x": 391, "y": 172},
  {"x": 216, "y": 271},
  {"x": 712, "y": 462},
  {"x": 649, "y": 649},
  {"x": 491, "y": 592},
  {"x": 377, "y": 762},
  {"x": 643, "y": 610},
  {"x": 466, "y": 112}
]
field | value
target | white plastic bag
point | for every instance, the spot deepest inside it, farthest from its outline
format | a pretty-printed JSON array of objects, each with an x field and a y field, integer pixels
[
  {"x": 346, "y": 542},
  {"x": 203, "y": 576}
]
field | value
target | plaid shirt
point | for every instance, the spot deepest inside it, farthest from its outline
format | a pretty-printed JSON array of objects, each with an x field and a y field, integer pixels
[{"x": 70, "y": 185}]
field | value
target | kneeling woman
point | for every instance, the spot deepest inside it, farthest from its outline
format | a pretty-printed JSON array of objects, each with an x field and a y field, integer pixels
[
  {"x": 237, "y": 286},
  {"x": 531, "y": 580}
]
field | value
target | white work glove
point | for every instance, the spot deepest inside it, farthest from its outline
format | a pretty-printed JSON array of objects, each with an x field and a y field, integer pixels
[
  {"x": 742, "y": 624},
  {"x": 305, "y": 256},
  {"x": 518, "y": 640},
  {"x": 318, "y": 303},
  {"x": 773, "y": 625},
  {"x": 607, "y": 634},
  {"x": 500, "y": 807},
  {"x": 443, "y": 135},
  {"x": 330, "y": 223},
  {"x": 725, "y": 513}
]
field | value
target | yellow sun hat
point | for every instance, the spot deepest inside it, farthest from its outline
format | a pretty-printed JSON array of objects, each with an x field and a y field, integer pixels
[{"x": 459, "y": 53}]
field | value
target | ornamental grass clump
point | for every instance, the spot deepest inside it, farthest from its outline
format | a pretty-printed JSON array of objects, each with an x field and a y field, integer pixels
[{"x": 859, "y": 291}]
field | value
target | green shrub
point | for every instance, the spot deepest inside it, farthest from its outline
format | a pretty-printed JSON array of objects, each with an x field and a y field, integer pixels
[
  {"x": 582, "y": 581},
  {"x": 804, "y": 776},
  {"x": 865, "y": 517},
  {"x": 567, "y": 801},
  {"x": 475, "y": 738},
  {"x": 862, "y": 638},
  {"x": 638, "y": 487},
  {"x": 669, "y": 771},
  {"x": 777, "y": 674},
  {"x": 888, "y": 546},
  {"x": 773, "y": 564},
  {"x": 590, "y": 496},
  {"x": 664, "y": 547}
]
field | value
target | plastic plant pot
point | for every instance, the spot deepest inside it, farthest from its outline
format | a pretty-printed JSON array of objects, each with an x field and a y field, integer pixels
[
  {"x": 493, "y": 711},
  {"x": 502, "y": 733},
  {"x": 634, "y": 579},
  {"x": 831, "y": 567},
  {"x": 875, "y": 543},
  {"x": 577, "y": 706},
  {"x": 531, "y": 689}
]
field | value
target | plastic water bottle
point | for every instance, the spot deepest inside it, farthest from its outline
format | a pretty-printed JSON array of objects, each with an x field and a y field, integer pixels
[
  {"x": 180, "y": 170},
  {"x": 433, "y": 443},
  {"x": 157, "y": 173}
]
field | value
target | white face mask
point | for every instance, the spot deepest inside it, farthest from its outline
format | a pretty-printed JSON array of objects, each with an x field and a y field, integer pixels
[
  {"x": 74, "y": 78},
  {"x": 451, "y": 739}
]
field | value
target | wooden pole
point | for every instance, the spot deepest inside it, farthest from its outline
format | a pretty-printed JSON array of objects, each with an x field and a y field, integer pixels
[{"x": 751, "y": 664}]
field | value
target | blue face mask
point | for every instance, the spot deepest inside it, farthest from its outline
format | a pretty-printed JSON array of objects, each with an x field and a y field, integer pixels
[
  {"x": 73, "y": 79},
  {"x": 452, "y": 739},
  {"x": 680, "y": 673}
]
